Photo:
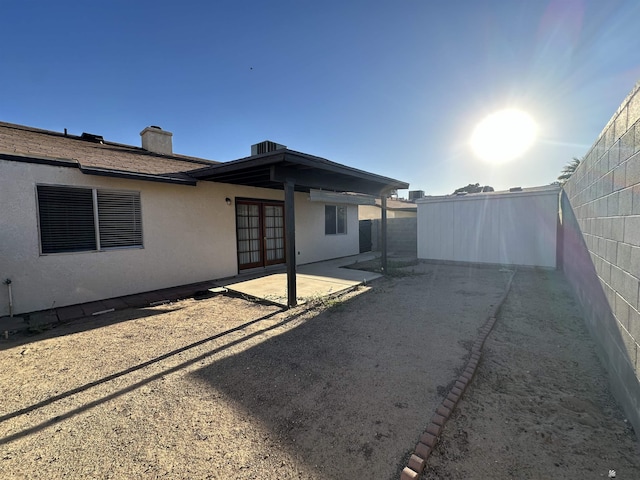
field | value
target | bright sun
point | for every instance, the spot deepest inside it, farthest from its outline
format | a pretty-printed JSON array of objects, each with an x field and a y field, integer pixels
[{"x": 503, "y": 136}]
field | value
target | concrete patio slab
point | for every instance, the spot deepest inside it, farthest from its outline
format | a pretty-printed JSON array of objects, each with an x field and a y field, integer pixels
[{"x": 313, "y": 281}]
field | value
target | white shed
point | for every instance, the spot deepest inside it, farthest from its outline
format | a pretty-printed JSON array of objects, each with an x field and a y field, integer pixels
[{"x": 515, "y": 227}]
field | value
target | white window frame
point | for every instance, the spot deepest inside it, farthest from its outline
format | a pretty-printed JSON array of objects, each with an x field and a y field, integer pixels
[{"x": 136, "y": 212}]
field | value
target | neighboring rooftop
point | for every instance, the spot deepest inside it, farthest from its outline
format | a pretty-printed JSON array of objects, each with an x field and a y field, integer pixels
[
  {"x": 397, "y": 204},
  {"x": 501, "y": 193}
]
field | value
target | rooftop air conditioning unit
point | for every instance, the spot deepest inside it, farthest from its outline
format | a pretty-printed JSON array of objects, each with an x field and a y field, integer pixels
[
  {"x": 265, "y": 147},
  {"x": 415, "y": 194}
]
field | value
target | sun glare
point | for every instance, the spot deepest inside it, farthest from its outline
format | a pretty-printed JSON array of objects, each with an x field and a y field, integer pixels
[{"x": 503, "y": 136}]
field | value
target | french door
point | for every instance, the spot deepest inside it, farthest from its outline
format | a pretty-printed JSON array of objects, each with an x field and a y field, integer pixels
[{"x": 260, "y": 233}]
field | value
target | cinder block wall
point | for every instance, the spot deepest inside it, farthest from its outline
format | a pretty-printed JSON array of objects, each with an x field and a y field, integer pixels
[
  {"x": 601, "y": 248},
  {"x": 402, "y": 236},
  {"x": 375, "y": 235}
]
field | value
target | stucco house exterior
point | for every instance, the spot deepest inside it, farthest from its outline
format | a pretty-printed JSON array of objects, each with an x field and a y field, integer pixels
[{"x": 86, "y": 219}]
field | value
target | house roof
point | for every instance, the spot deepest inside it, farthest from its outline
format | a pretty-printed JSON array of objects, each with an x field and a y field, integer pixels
[
  {"x": 96, "y": 156},
  {"x": 271, "y": 170}
]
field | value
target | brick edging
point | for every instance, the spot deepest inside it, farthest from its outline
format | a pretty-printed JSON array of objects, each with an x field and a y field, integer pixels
[{"x": 418, "y": 460}]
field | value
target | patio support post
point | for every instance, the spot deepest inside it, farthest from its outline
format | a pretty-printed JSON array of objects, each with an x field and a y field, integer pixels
[
  {"x": 383, "y": 233},
  {"x": 290, "y": 241}
]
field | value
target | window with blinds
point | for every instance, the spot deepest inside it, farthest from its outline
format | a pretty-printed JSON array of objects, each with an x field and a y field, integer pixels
[
  {"x": 119, "y": 219},
  {"x": 67, "y": 221},
  {"x": 76, "y": 219}
]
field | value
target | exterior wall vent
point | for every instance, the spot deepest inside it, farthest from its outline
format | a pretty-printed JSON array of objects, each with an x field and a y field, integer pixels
[{"x": 265, "y": 147}]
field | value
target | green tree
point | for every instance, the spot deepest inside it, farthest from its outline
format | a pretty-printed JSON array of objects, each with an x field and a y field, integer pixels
[
  {"x": 473, "y": 188},
  {"x": 568, "y": 170}
]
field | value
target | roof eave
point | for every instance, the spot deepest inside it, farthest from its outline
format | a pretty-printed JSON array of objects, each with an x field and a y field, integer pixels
[
  {"x": 105, "y": 172},
  {"x": 41, "y": 160},
  {"x": 180, "y": 178}
]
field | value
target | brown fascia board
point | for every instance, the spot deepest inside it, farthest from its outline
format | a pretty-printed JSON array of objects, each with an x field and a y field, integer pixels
[
  {"x": 59, "y": 162},
  {"x": 105, "y": 172}
]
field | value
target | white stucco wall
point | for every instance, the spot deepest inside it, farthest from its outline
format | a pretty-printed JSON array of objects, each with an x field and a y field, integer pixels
[
  {"x": 518, "y": 228},
  {"x": 188, "y": 235},
  {"x": 311, "y": 242}
]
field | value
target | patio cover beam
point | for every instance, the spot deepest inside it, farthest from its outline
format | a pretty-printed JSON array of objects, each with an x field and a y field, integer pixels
[
  {"x": 323, "y": 180},
  {"x": 383, "y": 233}
]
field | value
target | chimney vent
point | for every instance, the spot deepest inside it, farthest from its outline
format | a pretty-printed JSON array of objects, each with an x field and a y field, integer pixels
[
  {"x": 265, "y": 147},
  {"x": 156, "y": 140}
]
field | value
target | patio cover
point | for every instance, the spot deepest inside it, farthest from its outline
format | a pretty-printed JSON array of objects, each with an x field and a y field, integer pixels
[{"x": 293, "y": 171}]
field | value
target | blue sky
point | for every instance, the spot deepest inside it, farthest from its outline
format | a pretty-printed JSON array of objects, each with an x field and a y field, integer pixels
[{"x": 391, "y": 87}]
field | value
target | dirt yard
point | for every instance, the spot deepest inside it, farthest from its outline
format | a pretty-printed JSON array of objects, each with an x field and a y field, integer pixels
[
  {"x": 224, "y": 387},
  {"x": 539, "y": 405}
]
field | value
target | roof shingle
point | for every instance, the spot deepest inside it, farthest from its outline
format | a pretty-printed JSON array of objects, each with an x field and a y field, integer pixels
[{"x": 30, "y": 142}]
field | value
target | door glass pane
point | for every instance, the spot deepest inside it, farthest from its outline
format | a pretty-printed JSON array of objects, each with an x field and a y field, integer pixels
[
  {"x": 248, "y": 233},
  {"x": 274, "y": 232}
]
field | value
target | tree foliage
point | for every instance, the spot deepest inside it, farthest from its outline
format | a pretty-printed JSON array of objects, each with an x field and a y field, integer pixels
[
  {"x": 568, "y": 170},
  {"x": 473, "y": 188}
]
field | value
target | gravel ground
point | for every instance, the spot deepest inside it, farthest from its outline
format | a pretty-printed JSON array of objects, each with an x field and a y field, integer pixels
[{"x": 223, "y": 387}]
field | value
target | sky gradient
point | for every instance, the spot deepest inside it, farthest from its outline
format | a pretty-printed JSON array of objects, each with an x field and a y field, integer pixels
[{"x": 394, "y": 88}]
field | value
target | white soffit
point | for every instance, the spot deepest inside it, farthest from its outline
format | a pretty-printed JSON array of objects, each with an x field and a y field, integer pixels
[{"x": 344, "y": 198}]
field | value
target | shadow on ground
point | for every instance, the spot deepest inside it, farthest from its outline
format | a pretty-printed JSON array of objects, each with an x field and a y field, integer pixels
[
  {"x": 117, "y": 393},
  {"x": 351, "y": 389},
  {"x": 58, "y": 329}
]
